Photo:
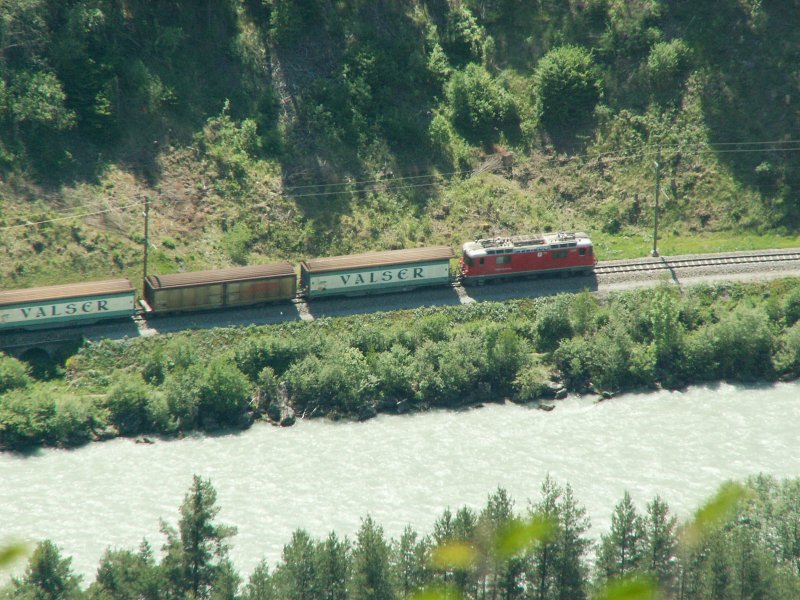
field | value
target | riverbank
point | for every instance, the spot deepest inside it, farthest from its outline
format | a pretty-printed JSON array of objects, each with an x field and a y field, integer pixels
[{"x": 526, "y": 350}]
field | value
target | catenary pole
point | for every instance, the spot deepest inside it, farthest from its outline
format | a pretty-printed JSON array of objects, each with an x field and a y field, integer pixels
[
  {"x": 146, "y": 237},
  {"x": 658, "y": 193}
]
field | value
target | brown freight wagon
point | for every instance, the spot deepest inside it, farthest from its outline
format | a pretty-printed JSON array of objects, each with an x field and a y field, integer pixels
[{"x": 220, "y": 288}]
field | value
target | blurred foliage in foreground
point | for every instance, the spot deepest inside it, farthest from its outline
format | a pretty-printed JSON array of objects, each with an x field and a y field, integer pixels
[{"x": 743, "y": 543}]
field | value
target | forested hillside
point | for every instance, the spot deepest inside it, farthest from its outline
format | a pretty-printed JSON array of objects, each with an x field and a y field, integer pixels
[{"x": 265, "y": 129}]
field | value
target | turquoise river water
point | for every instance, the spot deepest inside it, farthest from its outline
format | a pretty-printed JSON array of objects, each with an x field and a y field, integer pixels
[{"x": 325, "y": 476}]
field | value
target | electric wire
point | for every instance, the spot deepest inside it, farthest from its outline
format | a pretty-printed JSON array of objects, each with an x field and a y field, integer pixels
[{"x": 397, "y": 183}]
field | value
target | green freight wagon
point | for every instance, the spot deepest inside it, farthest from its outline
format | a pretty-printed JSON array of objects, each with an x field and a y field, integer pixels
[
  {"x": 375, "y": 272},
  {"x": 223, "y": 288},
  {"x": 64, "y": 305}
]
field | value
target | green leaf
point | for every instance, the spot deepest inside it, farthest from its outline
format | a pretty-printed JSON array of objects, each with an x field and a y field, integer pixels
[
  {"x": 12, "y": 552},
  {"x": 521, "y": 535}
]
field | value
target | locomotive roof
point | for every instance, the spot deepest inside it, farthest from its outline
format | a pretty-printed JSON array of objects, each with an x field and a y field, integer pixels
[
  {"x": 231, "y": 275},
  {"x": 66, "y": 291},
  {"x": 518, "y": 243},
  {"x": 377, "y": 259}
]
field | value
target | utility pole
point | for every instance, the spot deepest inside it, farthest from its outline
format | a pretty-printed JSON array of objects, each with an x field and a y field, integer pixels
[
  {"x": 658, "y": 193},
  {"x": 146, "y": 237}
]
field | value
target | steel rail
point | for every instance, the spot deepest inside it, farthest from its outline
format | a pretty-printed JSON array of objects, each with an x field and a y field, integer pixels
[{"x": 665, "y": 263}]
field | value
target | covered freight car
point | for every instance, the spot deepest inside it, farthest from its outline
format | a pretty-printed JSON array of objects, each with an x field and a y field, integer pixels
[
  {"x": 63, "y": 305},
  {"x": 375, "y": 272},
  {"x": 223, "y": 288}
]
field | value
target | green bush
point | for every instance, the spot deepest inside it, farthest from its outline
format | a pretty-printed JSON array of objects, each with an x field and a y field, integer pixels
[
  {"x": 583, "y": 312},
  {"x": 71, "y": 422},
  {"x": 237, "y": 243},
  {"x": 128, "y": 401},
  {"x": 699, "y": 362},
  {"x": 341, "y": 381},
  {"x": 153, "y": 366},
  {"x": 611, "y": 351},
  {"x": 566, "y": 86},
  {"x": 25, "y": 418},
  {"x": 791, "y": 306},
  {"x": 267, "y": 385},
  {"x": 463, "y": 36},
  {"x": 45, "y": 416},
  {"x": 667, "y": 64},
  {"x": 552, "y": 325},
  {"x": 532, "y": 382},
  {"x": 573, "y": 358},
  {"x": 505, "y": 353},
  {"x": 394, "y": 373},
  {"x": 453, "y": 372},
  {"x": 480, "y": 104},
  {"x": 179, "y": 352},
  {"x": 224, "y": 392},
  {"x": 13, "y": 373},
  {"x": 787, "y": 359},
  {"x": 277, "y": 353},
  {"x": 182, "y": 396},
  {"x": 744, "y": 343}
]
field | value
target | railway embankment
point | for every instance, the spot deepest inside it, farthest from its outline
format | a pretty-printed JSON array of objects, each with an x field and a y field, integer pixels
[{"x": 447, "y": 357}]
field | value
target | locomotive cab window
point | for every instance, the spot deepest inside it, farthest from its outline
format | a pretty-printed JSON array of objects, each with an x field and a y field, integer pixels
[
  {"x": 582, "y": 251},
  {"x": 504, "y": 260},
  {"x": 468, "y": 260},
  {"x": 482, "y": 260}
]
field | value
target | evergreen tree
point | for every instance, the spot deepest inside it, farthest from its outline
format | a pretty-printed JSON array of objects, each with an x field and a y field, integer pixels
[
  {"x": 410, "y": 558},
  {"x": 622, "y": 550},
  {"x": 227, "y": 582},
  {"x": 195, "y": 556},
  {"x": 260, "y": 585},
  {"x": 48, "y": 576},
  {"x": 541, "y": 559},
  {"x": 502, "y": 574},
  {"x": 464, "y": 531},
  {"x": 571, "y": 572},
  {"x": 295, "y": 577},
  {"x": 371, "y": 570},
  {"x": 332, "y": 564},
  {"x": 126, "y": 575},
  {"x": 660, "y": 543}
]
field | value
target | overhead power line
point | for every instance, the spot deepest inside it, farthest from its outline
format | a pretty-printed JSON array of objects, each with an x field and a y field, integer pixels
[{"x": 392, "y": 184}]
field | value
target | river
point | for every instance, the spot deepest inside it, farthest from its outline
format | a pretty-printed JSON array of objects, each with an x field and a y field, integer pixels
[{"x": 325, "y": 476}]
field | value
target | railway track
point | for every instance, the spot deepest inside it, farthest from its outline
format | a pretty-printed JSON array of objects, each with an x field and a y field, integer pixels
[{"x": 666, "y": 263}]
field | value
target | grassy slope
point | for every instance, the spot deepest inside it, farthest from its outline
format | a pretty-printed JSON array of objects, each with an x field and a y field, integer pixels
[{"x": 219, "y": 197}]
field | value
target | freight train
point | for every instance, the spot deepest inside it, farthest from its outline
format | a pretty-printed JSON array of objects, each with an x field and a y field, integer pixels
[{"x": 481, "y": 261}]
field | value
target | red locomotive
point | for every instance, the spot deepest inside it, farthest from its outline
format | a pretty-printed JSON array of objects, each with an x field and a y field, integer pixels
[{"x": 499, "y": 258}]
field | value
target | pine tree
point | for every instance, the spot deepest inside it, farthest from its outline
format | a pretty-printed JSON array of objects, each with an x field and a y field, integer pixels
[
  {"x": 226, "y": 583},
  {"x": 195, "y": 554},
  {"x": 660, "y": 544},
  {"x": 260, "y": 585},
  {"x": 410, "y": 558},
  {"x": 622, "y": 550},
  {"x": 541, "y": 559},
  {"x": 295, "y": 576},
  {"x": 332, "y": 565},
  {"x": 48, "y": 576},
  {"x": 571, "y": 572},
  {"x": 371, "y": 571},
  {"x": 126, "y": 575},
  {"x": 502, "y": 574}
]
